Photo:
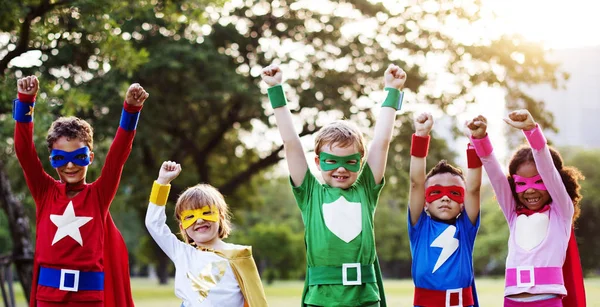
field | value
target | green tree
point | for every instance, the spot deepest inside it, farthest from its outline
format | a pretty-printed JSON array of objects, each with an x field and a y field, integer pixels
[
  {"x": 75, "y": 41},
  {"x": 587, "y": 227},
  {"x": 205, "y": 97}
]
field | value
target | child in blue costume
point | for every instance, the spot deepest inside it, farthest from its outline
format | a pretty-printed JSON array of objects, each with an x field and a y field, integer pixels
[
  {"x": 443, "y": 222},
  {"x": 338, "y": 216}
]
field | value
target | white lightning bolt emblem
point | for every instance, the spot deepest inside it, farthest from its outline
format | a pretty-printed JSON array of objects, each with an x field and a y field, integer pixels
[{"x": 448, "y": 244}]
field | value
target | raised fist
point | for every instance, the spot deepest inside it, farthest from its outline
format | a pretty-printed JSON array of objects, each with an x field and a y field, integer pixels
[
  {"x": 169, "y": 170},
  {"x": 520, "y": 119},
  {"x": 272, "y": 75},
  {"x": 136, "y": 95},
  {"x": 423, "y": 124},
  {"x": 28, "y": 85},
  {"x": 477, "y": 127},
  {"x": 394, "y": 77}
]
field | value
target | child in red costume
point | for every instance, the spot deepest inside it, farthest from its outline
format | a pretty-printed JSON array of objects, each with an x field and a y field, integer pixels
[{"x": 80, "y": 257}]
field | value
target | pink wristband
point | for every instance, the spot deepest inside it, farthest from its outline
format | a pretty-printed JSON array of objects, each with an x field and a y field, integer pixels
[
  {"x": 535, "y": 137},
  {"x": 483, "y": 146}
]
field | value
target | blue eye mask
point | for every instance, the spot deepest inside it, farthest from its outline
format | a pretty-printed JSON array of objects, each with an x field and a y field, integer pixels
[
  {"x": 330, "y": 162},
  {"x": 80, "y": 157}
]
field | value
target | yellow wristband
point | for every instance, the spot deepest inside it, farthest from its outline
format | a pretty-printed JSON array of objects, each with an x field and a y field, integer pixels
[{"x": 160, "y": 193}]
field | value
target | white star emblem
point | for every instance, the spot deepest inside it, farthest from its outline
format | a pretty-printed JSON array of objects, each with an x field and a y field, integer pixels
[{"x": 68, "y": 224}]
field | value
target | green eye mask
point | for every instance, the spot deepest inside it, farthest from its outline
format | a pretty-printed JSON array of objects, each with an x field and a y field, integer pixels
[{"x": 330, "y": 162}]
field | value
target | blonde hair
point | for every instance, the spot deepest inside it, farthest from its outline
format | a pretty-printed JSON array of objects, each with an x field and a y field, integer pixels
[
  {"x": 199, "y": 196},
  {"x": 341, "y": 133}
]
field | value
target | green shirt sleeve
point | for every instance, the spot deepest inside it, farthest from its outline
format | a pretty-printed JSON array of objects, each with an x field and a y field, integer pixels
[
  {"x": 304, "y": 192},
  {"x": 367, "y": 181}
]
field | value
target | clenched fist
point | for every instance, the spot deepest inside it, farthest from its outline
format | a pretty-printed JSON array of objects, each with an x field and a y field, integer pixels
[
  {"x": 28, "y": 85},
  {"x": 394, "y": 77},
  {"x": 169, "y": 170},
  {"x": 136, "y": 95},
  {"x": 477, "y": 127},
  {"x": 272, "y": 75},
  {"x": 423, "y": 124},
  {"x": 521, "y": 119}
]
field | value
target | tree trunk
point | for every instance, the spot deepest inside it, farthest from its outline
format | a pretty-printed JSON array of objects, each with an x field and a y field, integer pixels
[{"x": 18, "y": 224}]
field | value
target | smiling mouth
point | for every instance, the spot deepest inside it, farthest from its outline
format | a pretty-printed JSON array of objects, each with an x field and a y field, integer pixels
[
  {"x": 337, "y": 177},
  {"x": 202, "y": 228},
  {"x": 532, "y": 200}
]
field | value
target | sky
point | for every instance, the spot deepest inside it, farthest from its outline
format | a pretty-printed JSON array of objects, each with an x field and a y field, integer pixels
[{"x": 559, "y": 24}]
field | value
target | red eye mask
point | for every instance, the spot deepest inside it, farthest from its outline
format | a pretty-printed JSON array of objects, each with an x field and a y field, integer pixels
[{"x": 454, "y": 192}]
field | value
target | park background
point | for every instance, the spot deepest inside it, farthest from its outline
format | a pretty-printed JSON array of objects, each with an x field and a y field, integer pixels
[{"x": 200, "y": 61}]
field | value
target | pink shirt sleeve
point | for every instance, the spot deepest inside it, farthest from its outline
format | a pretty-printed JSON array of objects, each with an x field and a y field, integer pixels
[
  {"x": 561, "y": 201},
  {"x": 498, "y": 179}
]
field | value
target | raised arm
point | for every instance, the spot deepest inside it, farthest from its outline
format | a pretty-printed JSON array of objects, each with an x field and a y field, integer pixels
[
  {"x": 37, "y": 179},
  {"x": 377, "y": 157},
  {"x": 418, "y": 153},
  {"x": 484, "y": 150},
  {"x": 294, "y": 153},
  {"x": 156, "y": 218},
  {"x": 117, "y": 155},
  {"x": 473, "y": 193},
  {"x": 522, "y": 119}
]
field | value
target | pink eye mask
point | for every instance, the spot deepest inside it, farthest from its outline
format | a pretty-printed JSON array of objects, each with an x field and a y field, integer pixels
[{"x": 524, "y": 183}]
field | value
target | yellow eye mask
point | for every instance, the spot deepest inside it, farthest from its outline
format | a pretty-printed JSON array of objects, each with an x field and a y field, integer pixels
[{"x": 207, "y": 213}]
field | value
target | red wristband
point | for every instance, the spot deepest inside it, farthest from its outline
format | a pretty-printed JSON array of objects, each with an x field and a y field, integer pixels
[
  {"x": 473, "y": 160},
  {"x": 419, "y": 146},
  {"x": 26, "y": 98},
  {"x": 131, "y": 108}
]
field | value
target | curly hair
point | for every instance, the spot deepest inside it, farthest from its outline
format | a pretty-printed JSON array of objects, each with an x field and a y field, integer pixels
[
  {"x": 570, "y": 175},
  {"x": 73, "y": 128},
  {"x": 201, "y": 195},
  {"x": 444, "y": 167}
]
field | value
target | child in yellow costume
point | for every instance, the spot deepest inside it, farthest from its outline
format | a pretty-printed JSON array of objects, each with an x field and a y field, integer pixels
[{"x": 208, "y": 271}]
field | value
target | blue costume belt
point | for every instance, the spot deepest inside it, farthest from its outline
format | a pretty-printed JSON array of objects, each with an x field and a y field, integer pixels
[{"x": 71, "y": 280}]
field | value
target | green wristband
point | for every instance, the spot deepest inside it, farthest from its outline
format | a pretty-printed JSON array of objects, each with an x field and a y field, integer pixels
[
  {"x": 277, "y": 96},
  {"x": 393, "y": 99}
]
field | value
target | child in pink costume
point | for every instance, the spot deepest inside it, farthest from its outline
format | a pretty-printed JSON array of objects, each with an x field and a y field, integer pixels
[{"x": 540, "y": 202}]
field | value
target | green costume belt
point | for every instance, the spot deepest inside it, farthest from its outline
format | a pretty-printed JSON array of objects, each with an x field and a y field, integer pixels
[{"x": 349, "y": 274}]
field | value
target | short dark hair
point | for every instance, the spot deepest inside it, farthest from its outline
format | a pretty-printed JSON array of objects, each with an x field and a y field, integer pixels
[
  {"x": 444, "y": 167},
  {"x": 72, "y": 128}
]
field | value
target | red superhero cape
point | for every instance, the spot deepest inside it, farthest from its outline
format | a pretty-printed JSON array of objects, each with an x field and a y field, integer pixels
[
  {"x": 573, "y": 276},
  {"x": 117, "y": 287}
]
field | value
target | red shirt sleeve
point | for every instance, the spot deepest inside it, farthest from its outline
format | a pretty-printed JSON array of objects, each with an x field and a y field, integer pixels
[{"x": 37, "y": 179}]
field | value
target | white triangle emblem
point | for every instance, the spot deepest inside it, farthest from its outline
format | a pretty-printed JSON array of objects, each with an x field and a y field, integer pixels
[{"x": 343, "y": 218}]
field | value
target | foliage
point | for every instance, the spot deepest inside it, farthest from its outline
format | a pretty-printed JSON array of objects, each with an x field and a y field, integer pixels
[{"x": 200, "y": 65}]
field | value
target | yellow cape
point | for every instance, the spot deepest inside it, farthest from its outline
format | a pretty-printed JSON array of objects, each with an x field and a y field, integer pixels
[{"x": 246, "y": 273}]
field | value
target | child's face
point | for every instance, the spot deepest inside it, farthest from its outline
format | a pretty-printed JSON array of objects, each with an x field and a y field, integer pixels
[
  {"x": 71, "y": 173},
  {"x": 203, "y": 232},
  {"x": 339, "y": 177},
  {"x": 531, "y": 198},
  {"x": 444, "y": 208}
]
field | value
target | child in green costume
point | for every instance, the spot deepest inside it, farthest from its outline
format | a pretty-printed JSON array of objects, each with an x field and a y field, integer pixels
[{"x": 338, "y": 215}]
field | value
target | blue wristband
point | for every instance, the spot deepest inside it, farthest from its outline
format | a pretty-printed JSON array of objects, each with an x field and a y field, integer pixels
[
  {"x": 129, "y": 121},
  {"x": 23, "y": 111},
  {"x": 394, "y": 98}
]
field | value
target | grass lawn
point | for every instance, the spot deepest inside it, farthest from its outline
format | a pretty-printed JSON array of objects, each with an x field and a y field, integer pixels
[{"x": 147, "y": 293}]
